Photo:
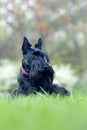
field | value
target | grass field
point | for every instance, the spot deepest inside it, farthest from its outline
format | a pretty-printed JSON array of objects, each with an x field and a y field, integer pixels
[{"x": 43, "y": 113}]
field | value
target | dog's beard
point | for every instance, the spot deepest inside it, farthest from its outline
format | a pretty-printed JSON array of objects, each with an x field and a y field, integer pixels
[{"x": 41, "y": 76}]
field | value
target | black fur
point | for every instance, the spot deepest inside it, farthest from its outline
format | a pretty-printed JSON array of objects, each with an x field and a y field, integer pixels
[{"x": 41, "y": 74}]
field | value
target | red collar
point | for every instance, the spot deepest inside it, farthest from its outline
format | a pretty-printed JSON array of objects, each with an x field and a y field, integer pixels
[{"x": 24, "y": 71}]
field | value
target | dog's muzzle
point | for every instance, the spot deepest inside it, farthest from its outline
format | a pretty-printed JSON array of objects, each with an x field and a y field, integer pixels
[{"x": 42, "y": 75}]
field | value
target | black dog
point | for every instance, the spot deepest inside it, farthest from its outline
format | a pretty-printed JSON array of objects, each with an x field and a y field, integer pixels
[{"x": 36, "y": 75}]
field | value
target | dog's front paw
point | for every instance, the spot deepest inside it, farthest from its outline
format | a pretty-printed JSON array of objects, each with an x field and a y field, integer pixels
[
  {"x": 15, "y": 92},
  {"x": 55, "y": 89},
  {"x": 63, "y": 91}
]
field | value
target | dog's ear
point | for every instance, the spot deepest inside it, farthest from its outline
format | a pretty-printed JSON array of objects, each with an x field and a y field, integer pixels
[
  {"x": 26, "y": 45},
  {"x": 39, "y": 44}
]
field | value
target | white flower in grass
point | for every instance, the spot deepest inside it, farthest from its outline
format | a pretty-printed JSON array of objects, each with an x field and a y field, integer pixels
[
  {"x": 8, "y": 74},
  {"x": 65, "y": 75}
]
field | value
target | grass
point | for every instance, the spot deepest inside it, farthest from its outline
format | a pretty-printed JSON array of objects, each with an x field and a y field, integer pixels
[{"x": 43, "y": 113}]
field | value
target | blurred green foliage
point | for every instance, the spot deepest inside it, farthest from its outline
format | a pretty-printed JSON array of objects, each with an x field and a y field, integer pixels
[{"x": 41, "y": 112}]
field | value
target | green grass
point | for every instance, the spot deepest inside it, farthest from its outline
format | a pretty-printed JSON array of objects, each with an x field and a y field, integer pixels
[{"x": 43, "y": 113}]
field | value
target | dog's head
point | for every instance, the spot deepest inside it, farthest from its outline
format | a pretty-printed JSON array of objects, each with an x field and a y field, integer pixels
[{"x": 36, "y": 62}]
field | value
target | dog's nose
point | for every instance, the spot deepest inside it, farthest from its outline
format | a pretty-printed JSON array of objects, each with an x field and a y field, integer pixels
[{"x": 47, "y": 68}]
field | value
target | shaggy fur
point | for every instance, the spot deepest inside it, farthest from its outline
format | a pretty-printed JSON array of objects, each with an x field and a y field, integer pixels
[{"x": 36, "y": 74}]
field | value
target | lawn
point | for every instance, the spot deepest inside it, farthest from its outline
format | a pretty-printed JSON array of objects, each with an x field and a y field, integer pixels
[{"x": 43, "y": 113}]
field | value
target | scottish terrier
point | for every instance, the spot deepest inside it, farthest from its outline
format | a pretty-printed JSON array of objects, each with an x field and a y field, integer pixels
[{"x": 36, "y": 75}]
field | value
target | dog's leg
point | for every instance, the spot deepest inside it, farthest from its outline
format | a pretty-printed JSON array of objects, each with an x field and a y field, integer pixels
[
  {"x": 16, "y": 91},
  {"x": 55, "y": 89}
]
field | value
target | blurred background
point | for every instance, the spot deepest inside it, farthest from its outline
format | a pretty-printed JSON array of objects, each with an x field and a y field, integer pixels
[{"x": 63, "y": 26}]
